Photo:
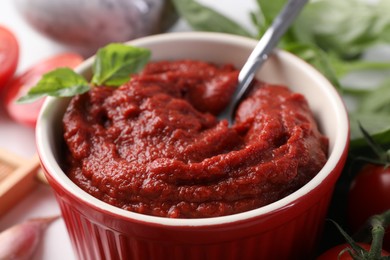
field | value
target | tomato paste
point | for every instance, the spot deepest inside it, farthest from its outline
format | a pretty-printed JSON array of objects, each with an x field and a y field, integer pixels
[{"x": 156, "y": 146}]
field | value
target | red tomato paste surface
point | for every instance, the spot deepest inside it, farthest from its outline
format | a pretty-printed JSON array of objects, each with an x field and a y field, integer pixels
[{"x": 155, "y": 146}]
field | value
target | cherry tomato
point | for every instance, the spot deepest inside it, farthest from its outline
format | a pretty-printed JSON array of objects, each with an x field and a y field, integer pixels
[
  {"x": 369, "y": 195},
  {"x": 27, "y": 113},
  {"x": 9, "y": 55},
  {"x": 334, "y": 252}
]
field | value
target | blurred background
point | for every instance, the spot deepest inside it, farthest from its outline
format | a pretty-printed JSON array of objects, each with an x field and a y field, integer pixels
[{"x": 348, "y": 41}]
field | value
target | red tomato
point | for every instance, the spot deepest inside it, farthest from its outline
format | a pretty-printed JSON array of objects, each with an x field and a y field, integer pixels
[
  {"x": 369, "y": 195},
  {"x": 334, "y": 252},
  {"x": 9, "y": 55},
  {"x": 27, "y": 113}
]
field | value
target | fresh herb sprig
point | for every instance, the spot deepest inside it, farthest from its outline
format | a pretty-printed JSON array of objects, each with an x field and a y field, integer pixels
[{"x": 113, "y": 66}]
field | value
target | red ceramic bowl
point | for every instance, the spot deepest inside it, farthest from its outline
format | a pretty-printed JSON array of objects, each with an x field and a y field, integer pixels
[{"x": 286, "y": 229}]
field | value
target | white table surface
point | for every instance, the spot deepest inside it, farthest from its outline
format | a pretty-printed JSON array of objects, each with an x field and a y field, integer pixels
[{"x": 19, "y": 139}]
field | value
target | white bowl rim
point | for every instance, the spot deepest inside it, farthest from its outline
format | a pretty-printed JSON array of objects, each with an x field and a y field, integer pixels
[{"x": 340, "y": 146}]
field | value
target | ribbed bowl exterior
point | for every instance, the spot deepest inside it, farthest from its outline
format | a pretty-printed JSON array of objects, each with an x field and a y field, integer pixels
[{"x": 289, "y": 233}]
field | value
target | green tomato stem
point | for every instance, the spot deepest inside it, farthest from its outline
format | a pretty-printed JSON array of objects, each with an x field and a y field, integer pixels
[
  {"x": 377, "y": 240},
  {"x": 379, "y": 223}
]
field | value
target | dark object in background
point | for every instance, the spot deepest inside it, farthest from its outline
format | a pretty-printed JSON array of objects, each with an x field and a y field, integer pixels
[{"x": 86, "y": 26}]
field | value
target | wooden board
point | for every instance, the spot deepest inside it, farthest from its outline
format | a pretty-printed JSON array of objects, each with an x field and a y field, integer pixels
[{"x": 17, "y": 178}]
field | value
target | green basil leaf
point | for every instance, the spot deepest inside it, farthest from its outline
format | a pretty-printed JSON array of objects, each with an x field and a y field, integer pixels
[
  {"x": 268, "y": 12},
  {"x": 343, "y": 67},
  {"x": 203, "y": 18},
  {"x": 270, "y": 9},
  {"x": 345, "y": 27},
  {"x": 115, "y": 63},
  {"x": 61, "y": 82},
  {"x": 377, "y": 100},
  {"x": 257, "y": 19},
  {"x": 316, "y": 57},
  {"x": 376, "y": 124},
  {"x": 382, "y": 23}
]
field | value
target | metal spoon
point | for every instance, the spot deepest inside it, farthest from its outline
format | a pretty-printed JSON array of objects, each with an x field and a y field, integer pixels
[{"x": 262, "y": 51}]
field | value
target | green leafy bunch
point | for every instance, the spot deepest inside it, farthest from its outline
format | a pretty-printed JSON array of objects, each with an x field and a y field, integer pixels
[{"x": 333, "y": 36}]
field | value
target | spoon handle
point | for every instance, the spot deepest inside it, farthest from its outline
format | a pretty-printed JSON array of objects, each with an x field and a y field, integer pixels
[{"x": 263, "y": 49}]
